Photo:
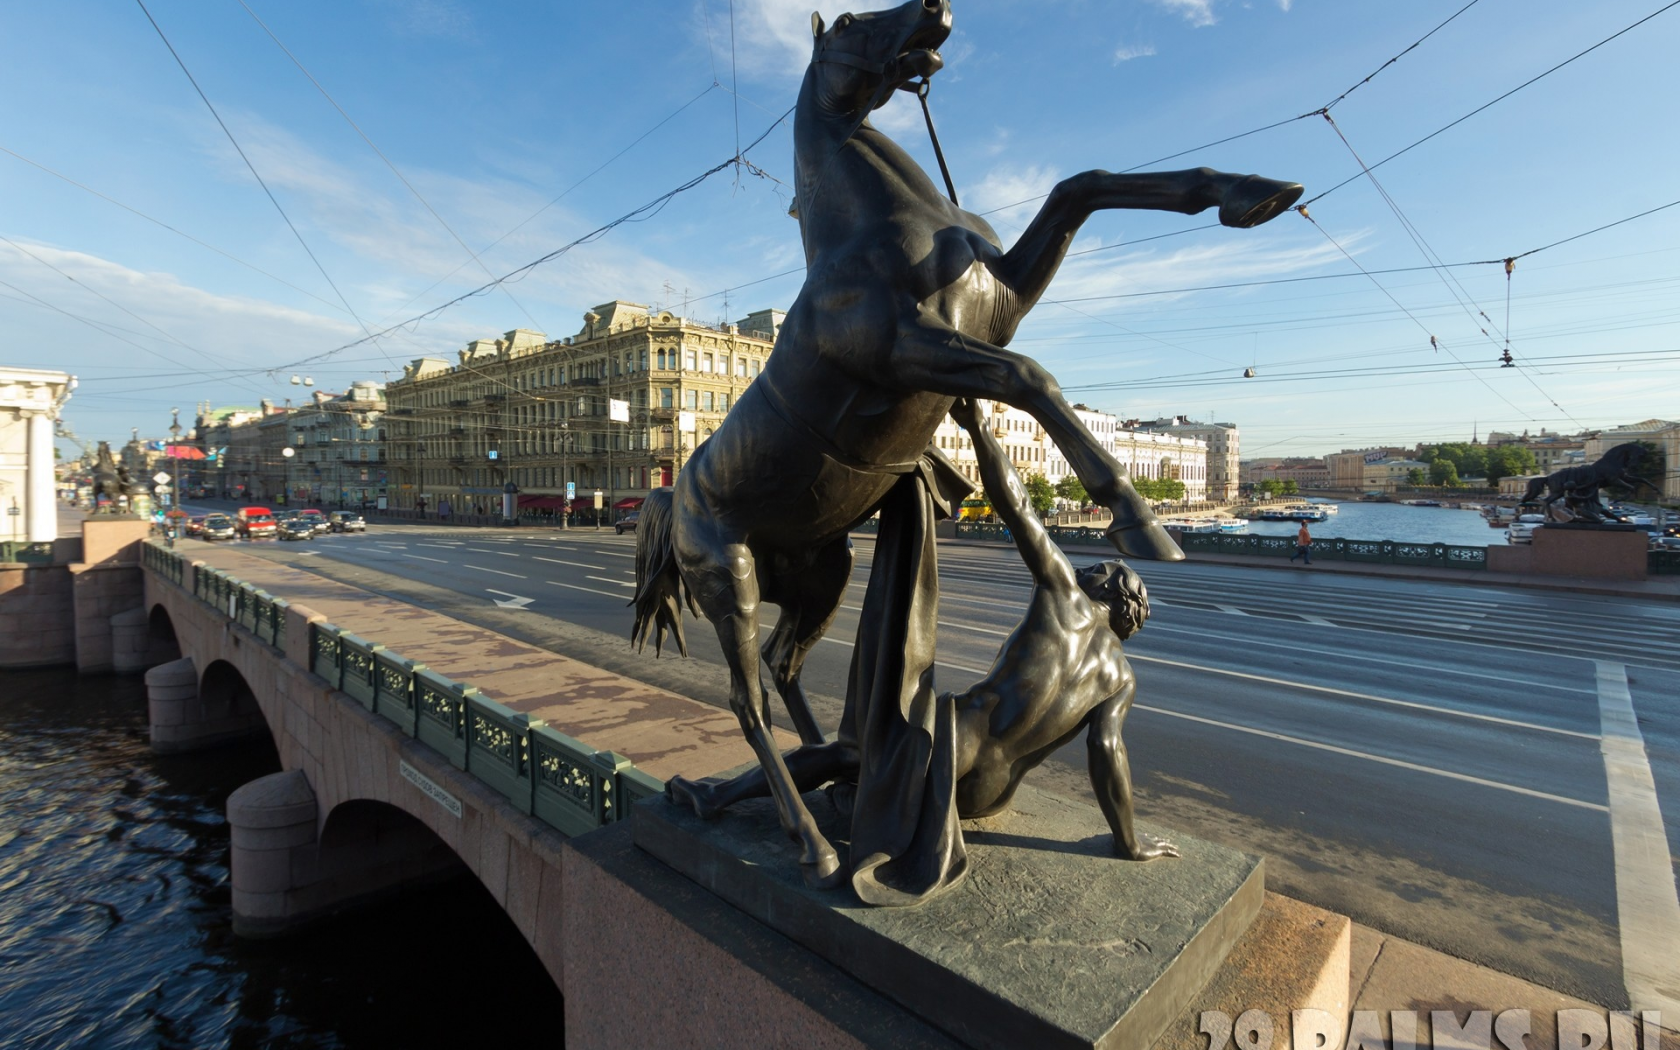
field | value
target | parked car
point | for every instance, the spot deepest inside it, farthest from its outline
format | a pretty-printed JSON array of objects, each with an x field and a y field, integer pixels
[
  {"x": 627, "y": 523},
  {"x": 1522, "y": 529},
  {"x": 346, "y": 521},
  {"x": 296, "y": 528},
  {"x": 219, "y": 527},
  {"x": 317, "y": 521}
]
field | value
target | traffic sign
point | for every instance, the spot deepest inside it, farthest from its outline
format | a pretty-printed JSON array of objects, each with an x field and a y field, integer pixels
[
  {"x": 161, "y": 478},
  {"x": 571, "y": 490}
]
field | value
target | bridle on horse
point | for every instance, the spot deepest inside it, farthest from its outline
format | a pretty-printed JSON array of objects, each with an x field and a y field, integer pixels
[{"x": 919, "y": 87}]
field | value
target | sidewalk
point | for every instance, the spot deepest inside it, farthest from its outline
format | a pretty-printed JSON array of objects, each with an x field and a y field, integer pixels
[{"x": 663, "y": 733}]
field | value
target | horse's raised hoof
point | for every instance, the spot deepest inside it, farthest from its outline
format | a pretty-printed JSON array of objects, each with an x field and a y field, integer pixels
[
  {"x": 1254, "y": 199},
  {"x": 823, "y": 871},
  {"x": 1144, "y": 539}
]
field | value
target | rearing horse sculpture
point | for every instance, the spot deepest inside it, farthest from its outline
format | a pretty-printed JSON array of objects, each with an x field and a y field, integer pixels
[{"x": 907, "y": 304}]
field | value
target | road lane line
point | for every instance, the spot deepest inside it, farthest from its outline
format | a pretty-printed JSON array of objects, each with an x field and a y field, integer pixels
[
  {"x": 422, "y": 557},
  {"x": 586, "y": 590},
  {"x": 444, "y": 546},
  {"x": 1647, "y": 908},
  {"x": 615, "y": 554},
  {"x": 505, "y": 554},
  {"x": 498, "y": 572},
  {"x": 573, "y": 564},
  {"x": 1314, "y": 688},
  {"x": 615, "y": 583},
  {"x": 1415, "y": 767},
  {"x": 480, "y": 550}
]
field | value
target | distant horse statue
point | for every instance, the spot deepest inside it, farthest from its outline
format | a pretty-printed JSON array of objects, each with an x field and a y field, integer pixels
[
  {"x": 111, "y": 479},
  {"x": 907, "y": 304},
  {"x": 1579, "y": 486}
]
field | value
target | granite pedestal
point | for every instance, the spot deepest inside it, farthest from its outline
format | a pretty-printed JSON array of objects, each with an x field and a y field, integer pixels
[{"x": 1050, "y": 941}]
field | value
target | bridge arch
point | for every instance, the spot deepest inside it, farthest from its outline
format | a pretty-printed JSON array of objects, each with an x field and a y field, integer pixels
[{"x": 162, "y": 644}]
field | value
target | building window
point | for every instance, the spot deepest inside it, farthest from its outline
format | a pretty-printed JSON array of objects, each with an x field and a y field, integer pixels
[
  {"x": 706, "y": 401},
  {"x": 665, "y": 397},
  {"x": 691, "y": 400},
  {"x": 688, "y": 360},
  {"x": 706, "y": 363},
  {"x": 741, "y": 367}
]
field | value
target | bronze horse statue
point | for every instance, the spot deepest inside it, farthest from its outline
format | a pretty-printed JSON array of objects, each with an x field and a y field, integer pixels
[
  {"x": 111, "y": 479},
  {"x": 1578, "y": 486},
  {"x": 907, "y": 304}
]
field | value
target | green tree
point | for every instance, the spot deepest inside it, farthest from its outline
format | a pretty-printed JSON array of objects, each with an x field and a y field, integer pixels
[
  {"x": 1469, "y": 460},
  {"x": 1269, "y": 487},
  {"x": 1416, "y": 476},
  {"x": 1072, "y": 489},
  {"x": 1043, "y": 497},
  {"x": 1508, "y": 461},
  {"x": 1289, "y": 487},
  {"x": 1442, "y": 472}
]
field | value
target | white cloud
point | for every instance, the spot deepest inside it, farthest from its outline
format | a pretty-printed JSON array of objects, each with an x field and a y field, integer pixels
[
  {"x": 1285, "y": 5},
  {"x": 434, "y": 18},
  {"x": 1127, "y": 52},
  {"x": 1197, "y": 12},
  {"x": 1014, "y": 189}
]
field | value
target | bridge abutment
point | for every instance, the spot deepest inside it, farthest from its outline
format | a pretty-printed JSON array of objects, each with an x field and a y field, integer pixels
[{"x": 287, "y": 874}]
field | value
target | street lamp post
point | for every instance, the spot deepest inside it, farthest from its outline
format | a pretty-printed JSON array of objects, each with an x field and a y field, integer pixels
[{"x": 174, "y": 500}]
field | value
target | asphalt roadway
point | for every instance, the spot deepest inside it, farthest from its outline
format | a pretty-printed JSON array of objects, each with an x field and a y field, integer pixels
[{"x": 1424, "y": 757}]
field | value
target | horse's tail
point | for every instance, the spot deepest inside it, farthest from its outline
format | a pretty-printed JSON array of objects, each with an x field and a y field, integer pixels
[
  {"x": 1535, "y": 487},
  {"x": 659, "y": 586}
]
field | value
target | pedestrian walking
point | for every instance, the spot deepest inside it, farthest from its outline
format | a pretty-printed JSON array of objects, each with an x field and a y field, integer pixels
[{"x": 1303, "y": 545}]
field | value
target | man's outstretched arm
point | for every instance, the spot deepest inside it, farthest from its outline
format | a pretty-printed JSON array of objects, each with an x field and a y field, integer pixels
[{"x": 1043, "y": 559}]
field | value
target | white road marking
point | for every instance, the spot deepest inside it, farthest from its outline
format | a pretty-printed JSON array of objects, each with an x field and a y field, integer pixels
[
  {"x": 1647, "y": 908},
  {"x": 573, "y": 564},
  {"x": 444, "y": 546},
  {"x": 586, "y": 590},
  {"x": 1314, "y": 688},
  {"x": 498, "y": 572},
  {"x": 1231, "y": 610},
  {"x": 1376, "y": 758},
  {"x": 1321, "y": 621},
  {"x": 505, "y": 554},
  {"x": 615, "y": 583},
  {"x": 422, "y": 557},
  {"x": 1363, "y": 696},
  {"x": 615, "y": 554},
  {"x": 514, "y": 601},
  {"x": 480, "y": 550}
]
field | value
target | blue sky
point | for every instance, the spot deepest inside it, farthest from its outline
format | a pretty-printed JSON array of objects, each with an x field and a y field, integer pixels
[{"x": 503, "y": 115}]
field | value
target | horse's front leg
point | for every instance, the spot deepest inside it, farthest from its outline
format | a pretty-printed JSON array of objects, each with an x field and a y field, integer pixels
[
  {"x": 932, "y": 357},
  {"x": 1243, "y": 201}
]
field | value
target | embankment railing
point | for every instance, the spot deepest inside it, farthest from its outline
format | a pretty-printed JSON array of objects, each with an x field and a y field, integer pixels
[{"x": 1382, "y": 552}]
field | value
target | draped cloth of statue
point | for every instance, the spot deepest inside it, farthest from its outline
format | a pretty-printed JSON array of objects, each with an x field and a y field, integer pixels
[{"x": 906, "y": 842}]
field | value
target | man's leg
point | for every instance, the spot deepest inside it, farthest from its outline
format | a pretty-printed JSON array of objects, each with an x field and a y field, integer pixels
[{"x": 1111, "y": 779}]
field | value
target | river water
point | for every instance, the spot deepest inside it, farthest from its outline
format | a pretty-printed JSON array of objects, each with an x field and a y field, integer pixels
[
  {"x": 1394, "y": 521},
  {"x": 114, "y": 921}
]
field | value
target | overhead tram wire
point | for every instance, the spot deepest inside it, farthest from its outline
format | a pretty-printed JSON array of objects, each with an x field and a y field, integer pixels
[
  {"x": 1488, "y": 105},
  {"x": 252, "y": 167},
  {"x": 1452, "y": 285},
  {"x": 387, "y": 160},
  {"x": 639, "y": 214}
]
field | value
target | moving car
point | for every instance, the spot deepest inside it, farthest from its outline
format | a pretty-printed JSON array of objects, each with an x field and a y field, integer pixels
[
  {"x": 195, "y": 525},
  {"x": 346, "y": 521},
  {"x": 219, "y": 527},
  {"x": 256, "y": 521},
  {"x": 627, "y": 523},
  {"x": 317, "y": 521},
  {"x": 296, "y": 528}
]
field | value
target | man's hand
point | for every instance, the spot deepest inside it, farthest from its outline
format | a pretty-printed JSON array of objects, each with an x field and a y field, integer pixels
[{"x": 967, "y": 414}]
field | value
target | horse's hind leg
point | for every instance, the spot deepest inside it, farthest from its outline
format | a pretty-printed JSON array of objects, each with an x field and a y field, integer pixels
[
  {"x": 810, "y": 599},
  {"x": 725, "y": 585}
]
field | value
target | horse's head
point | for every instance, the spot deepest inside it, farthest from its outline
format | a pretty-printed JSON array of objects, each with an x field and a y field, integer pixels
[{"x": 861, "y": 59}]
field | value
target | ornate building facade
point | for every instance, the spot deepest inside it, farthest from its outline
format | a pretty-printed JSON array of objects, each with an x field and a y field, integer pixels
[{"x": 536, "y": 414}]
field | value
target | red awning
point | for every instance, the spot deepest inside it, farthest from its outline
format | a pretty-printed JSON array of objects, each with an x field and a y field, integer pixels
[
  {"x": 541, "y": 502},
  {"x": 183, "y": 452},
  {"x": 583, "y": 503},
  {"x": 629, "y": 503}
]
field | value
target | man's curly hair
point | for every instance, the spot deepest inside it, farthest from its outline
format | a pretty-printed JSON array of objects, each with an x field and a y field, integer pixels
[{"x": 1114, "y": 584}]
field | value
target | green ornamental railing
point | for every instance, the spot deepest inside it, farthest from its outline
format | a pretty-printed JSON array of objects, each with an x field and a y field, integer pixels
[
  {"x": 561, "y": 781},
  {"x": 19, "y": 552},
  {"x": 1663, "y": 563}
]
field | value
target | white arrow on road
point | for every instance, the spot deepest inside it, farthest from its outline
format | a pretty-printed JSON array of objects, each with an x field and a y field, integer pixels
[{"x": 513, "y": 601}]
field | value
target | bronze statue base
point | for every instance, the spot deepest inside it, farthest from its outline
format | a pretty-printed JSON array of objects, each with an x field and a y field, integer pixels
[{"x": 1050, "y": 941}]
